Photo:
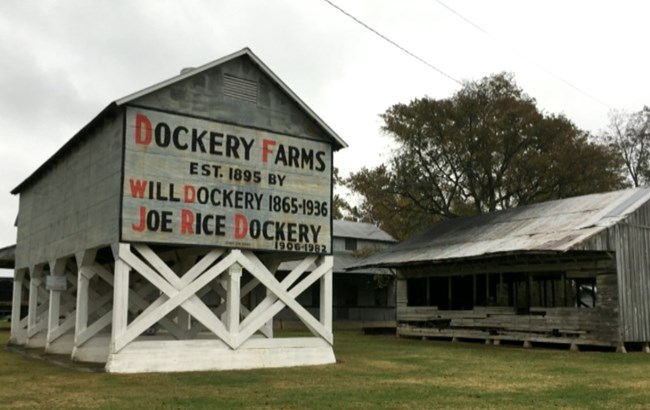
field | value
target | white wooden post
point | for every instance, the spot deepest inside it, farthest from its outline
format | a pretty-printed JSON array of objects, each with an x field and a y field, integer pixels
[
  {"x": 16, "y": 305},
  {"x": 233, "y": 301},
  {"x": 326, "y": 294},
  {"x": 57, "y": 268},
  {"x": 84, "y": 260},
  {"x": 120, "y": 293},
  {"x": 267, "y": 330},
  {"x": 35, "y": 279}
]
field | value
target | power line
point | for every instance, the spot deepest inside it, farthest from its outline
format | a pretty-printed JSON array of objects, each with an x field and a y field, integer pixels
[
  {"x": 392, "y": 42},
  {"x": 541, "y": 67}
]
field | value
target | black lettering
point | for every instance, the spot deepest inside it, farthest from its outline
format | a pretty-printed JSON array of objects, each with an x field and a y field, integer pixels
[
  {"x": 265, "y": 230},
  {"x": 321, "y": 162},
  {"x": 232, "y": 146},
  {"x": 294, "y": 157},
  {"x": 216, "y": 143},
  {"x": 307, "y": 159},
  {"x": 176, "y": 138},
  {"x": 281, "y": 156},
  {"x": 162, "y": 134},
  {"x": 197, "y": 140}
]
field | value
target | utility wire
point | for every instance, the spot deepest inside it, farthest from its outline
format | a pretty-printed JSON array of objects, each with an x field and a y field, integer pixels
[
  {"x": 536, "y": 64},
  {"x": 392, "y": 42}
]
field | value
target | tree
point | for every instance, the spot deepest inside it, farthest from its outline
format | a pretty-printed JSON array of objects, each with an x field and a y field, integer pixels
[
  {"x": 629, "y": 135},
  {"x": 341, "y": 208},
  {"x": 383, "y": 206},
  {"x": 485, "y": 148}
]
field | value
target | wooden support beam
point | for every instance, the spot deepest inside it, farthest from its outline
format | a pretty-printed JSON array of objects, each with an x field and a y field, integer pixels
[
  {"x": 57, "y": 268},
  {"x": 271, "y": 306},
  {"x": 16, "y": 304},
  {"x": 234, "y": 299},
  {"x": 326, "y": 297},
  {"x": 35, "y": 279},
  {"x": 120, "y": 294}
]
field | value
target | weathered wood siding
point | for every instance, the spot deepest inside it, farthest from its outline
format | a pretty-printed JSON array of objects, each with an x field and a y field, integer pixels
[
  {"x": 588, "y": 326},
  {"x": 74, "y": 205},
  {"x": 633, "y": 266},
  {"x": 260, "y": 103}
]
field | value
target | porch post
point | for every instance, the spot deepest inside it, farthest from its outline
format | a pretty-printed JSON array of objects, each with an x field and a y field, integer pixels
[
  {"x": 16, "y": 302},
  {"x": 120, "y": 294},
  {"x": 326, "y": 294}
]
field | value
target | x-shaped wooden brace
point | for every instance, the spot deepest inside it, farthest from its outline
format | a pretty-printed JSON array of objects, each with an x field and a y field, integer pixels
[
  {"x": 137, "y": 303},
  {"x": 40, "y": 315},
  {"x": 282, "y": 296},
  {"x": 68, "y": 305},
  {"x": 244, "y": 311},
  {"x": 177, "y": 291}
]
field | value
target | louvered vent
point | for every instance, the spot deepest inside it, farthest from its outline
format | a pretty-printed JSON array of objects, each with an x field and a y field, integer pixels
[{"x": 240, "y": 88}]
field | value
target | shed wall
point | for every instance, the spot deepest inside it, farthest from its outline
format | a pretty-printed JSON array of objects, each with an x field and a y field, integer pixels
[
  {"x": 633, "y": 266},
  {"x": 259, "y": 103},
  {"x": 76, "y": 204}
]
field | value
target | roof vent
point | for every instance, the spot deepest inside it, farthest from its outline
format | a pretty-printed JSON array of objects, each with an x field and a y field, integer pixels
[
  {"x": 186, "y": 70},
  {"x": 240, "y": 88}
]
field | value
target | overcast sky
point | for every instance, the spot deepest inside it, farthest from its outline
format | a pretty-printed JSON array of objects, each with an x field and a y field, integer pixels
[{"x": 62, "y": 62}]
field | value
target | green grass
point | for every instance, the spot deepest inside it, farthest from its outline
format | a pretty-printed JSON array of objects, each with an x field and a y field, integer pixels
[{"x": 372, "y": 372}]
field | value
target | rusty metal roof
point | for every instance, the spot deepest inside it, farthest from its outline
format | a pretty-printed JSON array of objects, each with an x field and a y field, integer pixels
[{"x": 548, "y": 227}]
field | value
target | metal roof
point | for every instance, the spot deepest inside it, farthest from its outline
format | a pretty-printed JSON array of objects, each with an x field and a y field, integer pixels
[
  {"x": 548, "y": 227},
  {"x": 111, "y": 108},
  {"x": 8, "y": 257},
  {"x": 360, "y": 230},
  {"x": 343, "y": 260}
]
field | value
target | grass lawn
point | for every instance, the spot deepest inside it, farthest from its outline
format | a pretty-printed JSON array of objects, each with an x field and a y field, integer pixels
[{"x": 372, "y": 372}]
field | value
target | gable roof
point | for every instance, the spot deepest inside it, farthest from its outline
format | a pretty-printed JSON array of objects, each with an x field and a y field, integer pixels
[
  {"x": 338, "y": 143},
  {"x": 343, "y": 260},
  {"x": 549, "y": 227},
  {"x": 360, "y": 230}
]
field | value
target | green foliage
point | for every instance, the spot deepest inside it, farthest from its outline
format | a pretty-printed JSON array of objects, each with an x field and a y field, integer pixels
[{"x": 488, "y": 147}]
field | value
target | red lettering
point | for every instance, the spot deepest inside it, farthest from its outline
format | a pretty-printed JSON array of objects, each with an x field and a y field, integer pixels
[
  {"x": 266, "y": 150},
  {"x": 241, "y": 226},
  {"x": 187, "y": 221},
  {"x": 142, "y": 121},
  {"x": 143, "y": 223},
  {"x": 189, "y": 193},
  {"x": 137, "y": 187}
]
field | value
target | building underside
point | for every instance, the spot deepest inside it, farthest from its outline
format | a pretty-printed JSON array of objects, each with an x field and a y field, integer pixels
[{"x": 569, "y": 298}]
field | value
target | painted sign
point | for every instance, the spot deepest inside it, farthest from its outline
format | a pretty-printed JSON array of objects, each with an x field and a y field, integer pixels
[
  {"x": 57, "y": 283},
  {"x": 200, "y": 182}
]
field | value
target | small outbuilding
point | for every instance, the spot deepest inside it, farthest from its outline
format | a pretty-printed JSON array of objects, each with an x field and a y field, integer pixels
[
  {"x": 363, "y": 298},
  {"x": 574, "y": 271}
]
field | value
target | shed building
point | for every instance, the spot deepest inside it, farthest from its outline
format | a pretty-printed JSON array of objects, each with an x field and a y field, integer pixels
[
  {"x": 573, "y": 271},
  {"x": 6, "y": 280},
  {"x": 141, "y": 238},
  {"x": 363, "y": 298}
]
